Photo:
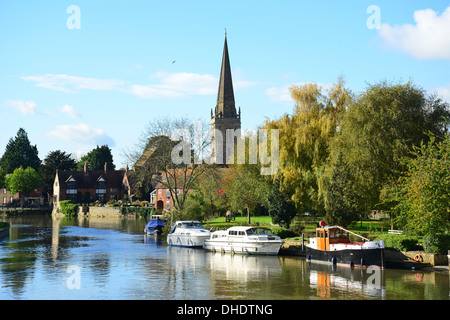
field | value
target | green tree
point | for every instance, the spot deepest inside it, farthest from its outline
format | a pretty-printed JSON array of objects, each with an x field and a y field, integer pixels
[
  {"x": 422, "y": 195},
  {"x": 2, "y": 177},
  {"x": 280, "y": 207},
  {"x": 245, "y": 188},
  {"x": 96, "y": 159},
  {"x": 340, "y": 205},
  {"x": 23, "y": 181},
  {"x": 381, "y": 127},
  {"x": 55, "y": 160},
  {"x": 20, "y": 152}
]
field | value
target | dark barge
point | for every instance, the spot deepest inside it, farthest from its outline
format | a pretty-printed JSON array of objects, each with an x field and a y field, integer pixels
[{"x": 332, "y": 245}]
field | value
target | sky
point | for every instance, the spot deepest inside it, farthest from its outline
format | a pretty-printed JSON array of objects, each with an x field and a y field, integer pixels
[{"x": 77, "y": 74}]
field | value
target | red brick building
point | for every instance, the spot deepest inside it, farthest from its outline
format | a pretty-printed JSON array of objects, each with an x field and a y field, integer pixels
[{"x": 90, "y": 186}]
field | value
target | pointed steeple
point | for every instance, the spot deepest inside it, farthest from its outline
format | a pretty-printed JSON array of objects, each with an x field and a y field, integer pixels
[{"x": 225, "y": 107}]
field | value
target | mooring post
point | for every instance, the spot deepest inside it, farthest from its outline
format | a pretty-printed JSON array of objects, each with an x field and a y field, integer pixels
[{"x": 303, "y": 239}]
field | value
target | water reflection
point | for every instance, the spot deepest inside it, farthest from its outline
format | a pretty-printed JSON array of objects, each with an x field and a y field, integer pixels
[{"x": 117, "y": 261}]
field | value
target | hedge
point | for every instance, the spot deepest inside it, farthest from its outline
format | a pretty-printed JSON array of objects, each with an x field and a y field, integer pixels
[
  {"x": 399, "y": 242},
  {"x": 68, "y": 208},
  {"x": 436, "y": 243}
]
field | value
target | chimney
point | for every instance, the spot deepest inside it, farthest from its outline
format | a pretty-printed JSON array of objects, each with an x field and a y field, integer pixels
[
  {"x": 85, "y": 169},
  {"x": 106, "y": 167}
]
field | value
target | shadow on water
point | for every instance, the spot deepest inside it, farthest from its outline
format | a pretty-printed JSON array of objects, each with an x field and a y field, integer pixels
[{"x": 60, "y": 258}]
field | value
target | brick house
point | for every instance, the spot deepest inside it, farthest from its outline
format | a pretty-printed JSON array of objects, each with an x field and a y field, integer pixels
[
  {"x": 90, "y": 186},
  {"x": 161, "y": 197}
]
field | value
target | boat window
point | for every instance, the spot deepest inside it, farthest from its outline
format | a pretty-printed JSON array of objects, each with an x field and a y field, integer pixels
[
  {"x": 318, "y": 234},
  {"x": 321, "y": 234},
  {"x": 326, "y": 234},
  {"x": 331, "y": 234},
  {"x": 241, "y": 233}
]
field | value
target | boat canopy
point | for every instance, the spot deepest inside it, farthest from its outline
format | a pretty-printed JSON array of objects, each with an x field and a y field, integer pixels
[{"x": 154, "y": 223}]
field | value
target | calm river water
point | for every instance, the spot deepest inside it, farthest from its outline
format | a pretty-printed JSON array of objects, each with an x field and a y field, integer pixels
[{"x": 50, "y": 258}]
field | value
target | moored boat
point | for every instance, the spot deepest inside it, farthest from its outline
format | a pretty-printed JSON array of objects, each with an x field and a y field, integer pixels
[
  {"x": 332, "y": 245},
  {"x": 154, "y": 226},
  {"x": 246, "y": 240},
  {"x": 187, "y": 234}
]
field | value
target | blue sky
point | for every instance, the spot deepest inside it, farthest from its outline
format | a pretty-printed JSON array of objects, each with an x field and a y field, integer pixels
[{"x": 73, "y": 89}]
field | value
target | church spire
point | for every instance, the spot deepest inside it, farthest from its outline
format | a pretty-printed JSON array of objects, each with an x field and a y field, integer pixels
[{"x": 225, "y": 107}]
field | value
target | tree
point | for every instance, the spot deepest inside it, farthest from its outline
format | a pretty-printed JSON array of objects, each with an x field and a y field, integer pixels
[
  {"x": 340, "y": 204},
  {"x": 2, "y": 177},
  {"x": 23, "y": 181},
  {"x": 381, "y": 127},
  {"x": 422, "y": 196},
  {"x": 55, "y": 160},
  {"x": 280, "y": 207},
  {"x": 246, "y": 188},
  {"x": 20, "y": 152},
  {"x": 305, "y": 138},
  {"x": 96, "y": 159}
]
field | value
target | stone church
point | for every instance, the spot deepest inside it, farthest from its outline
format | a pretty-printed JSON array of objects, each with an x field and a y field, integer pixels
[{"x": 225, "y": 121}]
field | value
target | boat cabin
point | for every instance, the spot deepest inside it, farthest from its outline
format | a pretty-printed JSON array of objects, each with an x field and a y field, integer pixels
[{"x": 330, "y": 235}]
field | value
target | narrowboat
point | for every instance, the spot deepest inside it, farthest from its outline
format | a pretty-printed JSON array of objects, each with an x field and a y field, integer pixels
[
  {"x": 187, "y": 234},
  {"x": 245, "y": 240},
  {"x": 332, "y": 245}
]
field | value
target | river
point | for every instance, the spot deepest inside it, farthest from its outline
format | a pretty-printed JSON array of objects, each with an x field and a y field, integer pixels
[{"x": 49, "y": 258}]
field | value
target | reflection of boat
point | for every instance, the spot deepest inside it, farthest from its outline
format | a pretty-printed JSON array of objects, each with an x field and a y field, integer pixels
[
  {"x": 154, "y": 226},
  {"x": 332, "y": 245},
  {"x": 247, "y": 240},
  {"x": 187, "y": 234}
]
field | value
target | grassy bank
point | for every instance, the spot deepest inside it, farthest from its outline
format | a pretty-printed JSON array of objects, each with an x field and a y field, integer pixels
[{"x": 367, "y": 228}]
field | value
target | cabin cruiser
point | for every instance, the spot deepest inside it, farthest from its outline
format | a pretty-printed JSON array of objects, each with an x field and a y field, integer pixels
[
  {"x": 247, "y": 240},
  {"x": 187, "y": 234},
  {"x": 332, "y": 245}
]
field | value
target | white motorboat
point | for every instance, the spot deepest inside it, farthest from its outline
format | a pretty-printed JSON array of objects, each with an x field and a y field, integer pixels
[
  {"x": 187, "y": 234},
  {"x": 246, "y": 240}
]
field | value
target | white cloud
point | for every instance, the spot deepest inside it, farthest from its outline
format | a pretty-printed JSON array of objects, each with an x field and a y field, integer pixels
[
  {"x": 167, "y": 85},
  {"x": 81, "y": 133},
  {"x": 70, "y": 111},
  {"x": 68, "y": 84},
  {"x": 429, "y": 38},
  {"x": 444, "y": 92},
  {"x": 282, "y": 94},
  {"x": 177, "y": 85},
  {"x": 25, "y": 107},
  {"x": 279, "y": 94}
]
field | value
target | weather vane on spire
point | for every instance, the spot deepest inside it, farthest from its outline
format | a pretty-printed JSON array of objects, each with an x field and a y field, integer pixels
[{"x": 225, "y": 32}]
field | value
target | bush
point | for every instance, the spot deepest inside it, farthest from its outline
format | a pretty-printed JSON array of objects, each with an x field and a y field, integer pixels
[
  {"x": 143, "y": 212},
  {"x": 436, "y": 243},
  {"x": 68, "y": 208},
  {"x": 283, "y": 233},
  {"x": 399, "y": 242}
]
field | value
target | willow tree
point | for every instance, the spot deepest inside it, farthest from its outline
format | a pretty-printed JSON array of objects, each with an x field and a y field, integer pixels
[{"x": 304, "y": 140}]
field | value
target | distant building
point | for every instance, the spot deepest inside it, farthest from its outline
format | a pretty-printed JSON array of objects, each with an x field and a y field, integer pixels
[
  {"x": 90, "y": 186},
  {"x": 32, "y": 199}
]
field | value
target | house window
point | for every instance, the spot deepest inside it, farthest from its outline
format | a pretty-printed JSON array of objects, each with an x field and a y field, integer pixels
[
  {"x": 168, "y": 205},
  {"x": 168, "y": 193},
  {"x": 159, "y": 191}
]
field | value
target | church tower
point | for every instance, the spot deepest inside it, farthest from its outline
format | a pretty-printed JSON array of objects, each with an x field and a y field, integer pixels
[{"x": 225, "y": 119}]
